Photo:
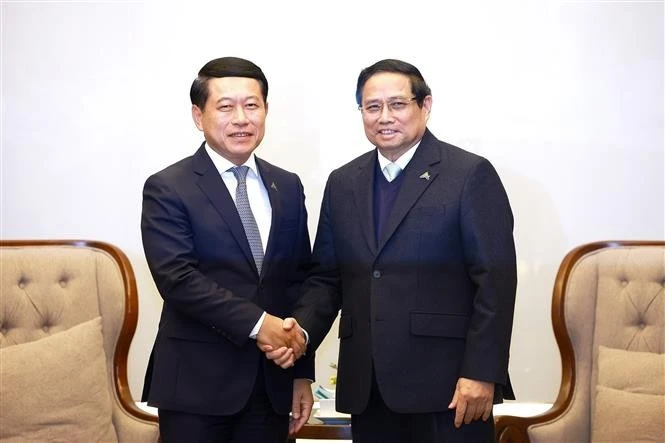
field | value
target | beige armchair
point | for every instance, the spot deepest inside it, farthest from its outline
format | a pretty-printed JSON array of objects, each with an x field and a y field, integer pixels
[
  {"x": 608, "y": 314},
  {"x": 68, "y": 312}
]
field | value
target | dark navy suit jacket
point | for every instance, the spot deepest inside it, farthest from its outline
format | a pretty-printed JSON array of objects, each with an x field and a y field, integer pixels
[
  {"x": 203, "y": 360},
  {"x": 433, "y": 300}
]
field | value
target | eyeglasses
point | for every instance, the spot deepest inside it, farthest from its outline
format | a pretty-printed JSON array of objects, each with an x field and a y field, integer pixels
[{"x": 395, "y": 105}]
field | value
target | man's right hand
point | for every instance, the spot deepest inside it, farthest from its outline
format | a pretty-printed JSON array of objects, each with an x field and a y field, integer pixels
[
  {"x": 284, "y": 335},
  {"x": 284, "y": 355}
]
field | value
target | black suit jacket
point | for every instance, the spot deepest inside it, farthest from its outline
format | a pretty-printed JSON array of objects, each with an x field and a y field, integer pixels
[
  {"x": 433, "y": 300},
  {"x": 203, "y": 360}
]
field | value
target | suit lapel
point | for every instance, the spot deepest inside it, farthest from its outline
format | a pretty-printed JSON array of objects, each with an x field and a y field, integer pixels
[
  {"x": 419, "y": 174},
  {"x": 272, "y": 186},
  {"x": 212, "y": 185},
  {"x": 364, "y": 198}
]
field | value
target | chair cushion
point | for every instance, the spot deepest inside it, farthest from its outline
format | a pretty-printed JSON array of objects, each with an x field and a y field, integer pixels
[
  {"x": 56, "y": 388},
  {"x": 630, "y": 396}
]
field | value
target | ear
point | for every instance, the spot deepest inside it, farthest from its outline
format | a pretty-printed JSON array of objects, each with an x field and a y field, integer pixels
[
  {"x": 266, "y": 108},
  {"x": 197, "y": 116},
  {"x": 427, "y": 105}
]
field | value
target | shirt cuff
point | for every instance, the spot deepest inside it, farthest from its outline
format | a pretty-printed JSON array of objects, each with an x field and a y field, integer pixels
[{"x": 257, "y": 326}]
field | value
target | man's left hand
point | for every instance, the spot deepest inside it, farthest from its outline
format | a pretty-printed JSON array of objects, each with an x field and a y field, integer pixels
[
  {"x": 301, "y": 408},
  {"x": 472, "y": 400}
]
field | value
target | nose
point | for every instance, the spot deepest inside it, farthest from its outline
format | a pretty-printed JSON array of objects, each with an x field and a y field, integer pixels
[
  {"x": 239, "y": 116},
  {"x": 385, "y": 115}
]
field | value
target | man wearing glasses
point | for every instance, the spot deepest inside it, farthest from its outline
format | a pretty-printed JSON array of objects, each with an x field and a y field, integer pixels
[{"x": 415, "y": 246}]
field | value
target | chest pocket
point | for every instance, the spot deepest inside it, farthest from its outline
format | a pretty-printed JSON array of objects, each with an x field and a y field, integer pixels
[{"x": 427, "y": 218}]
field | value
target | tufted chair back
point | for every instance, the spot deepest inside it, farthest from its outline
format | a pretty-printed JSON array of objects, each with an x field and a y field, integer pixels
[
  {"x": 606, "y": 295},
  {"x": 51, "y": 286}
]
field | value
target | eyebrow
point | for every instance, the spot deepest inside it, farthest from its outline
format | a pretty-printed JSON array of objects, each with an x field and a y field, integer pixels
[
  {"x": 393, "y": 97},
  {"x": 221, "y": 99}
]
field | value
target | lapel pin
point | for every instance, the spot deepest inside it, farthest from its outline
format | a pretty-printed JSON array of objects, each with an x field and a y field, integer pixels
[
  {"x": 425, "y": 175},
  {"x": 273, "y": 186}
]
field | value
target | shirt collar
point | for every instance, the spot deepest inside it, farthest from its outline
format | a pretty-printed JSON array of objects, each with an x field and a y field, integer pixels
[
  {"x": 223, "y": 165},
  {"x": 402, "y": 161}
]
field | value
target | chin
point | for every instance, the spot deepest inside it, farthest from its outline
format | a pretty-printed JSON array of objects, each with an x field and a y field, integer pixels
[{"x": 245, "y": 147}]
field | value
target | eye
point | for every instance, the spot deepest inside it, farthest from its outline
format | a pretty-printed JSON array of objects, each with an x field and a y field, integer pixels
[
  {"x": 372, "y": 108},
  {"x": 397, "y": 105},
  {"x": 252, "y": 106},
  {"x": 225, "y": 107}
]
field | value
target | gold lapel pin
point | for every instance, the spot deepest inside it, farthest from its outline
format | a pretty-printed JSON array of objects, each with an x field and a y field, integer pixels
[{"x": 425, "y": 175}]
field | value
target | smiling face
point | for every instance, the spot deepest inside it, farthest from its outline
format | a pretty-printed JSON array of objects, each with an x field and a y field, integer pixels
[
  {"x": 233, "y": 118},
  {"x": 394, "y": 129}
]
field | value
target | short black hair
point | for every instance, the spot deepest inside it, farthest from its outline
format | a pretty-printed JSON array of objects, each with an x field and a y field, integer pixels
[
  {"x": 419, "y": 87},
  {"x": 225, "y": 67}
]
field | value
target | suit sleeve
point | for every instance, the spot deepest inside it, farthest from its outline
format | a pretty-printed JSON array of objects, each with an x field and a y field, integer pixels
[
  {"x": 304, "y": 367},
  {"x": 489, "y": 249},
  {"x": 320, "y": 301},
  {"x": 168, "y": 241}
]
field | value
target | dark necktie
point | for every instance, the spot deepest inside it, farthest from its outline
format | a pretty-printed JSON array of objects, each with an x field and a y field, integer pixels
[{"x": 245, "y": 211}]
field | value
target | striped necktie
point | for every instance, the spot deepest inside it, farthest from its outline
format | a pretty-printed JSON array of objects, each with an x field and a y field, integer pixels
[{"x": 245, "y": 211}]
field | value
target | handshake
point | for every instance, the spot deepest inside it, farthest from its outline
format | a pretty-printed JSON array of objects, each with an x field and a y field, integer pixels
[{"x": 283, "y": 341}]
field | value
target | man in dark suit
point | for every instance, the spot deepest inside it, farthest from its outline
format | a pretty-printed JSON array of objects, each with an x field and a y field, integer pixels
[
  {"x": 225, "y": 237},
  {"x": 415, "y": 246}
]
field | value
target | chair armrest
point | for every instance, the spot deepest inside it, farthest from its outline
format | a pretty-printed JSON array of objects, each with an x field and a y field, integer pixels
[{"x": 513, "y": 428}]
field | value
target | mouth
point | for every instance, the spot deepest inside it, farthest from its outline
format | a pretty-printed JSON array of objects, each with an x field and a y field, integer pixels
[
  {"x": 240, "y": 135},
  {"x": 386, "y": 131}
]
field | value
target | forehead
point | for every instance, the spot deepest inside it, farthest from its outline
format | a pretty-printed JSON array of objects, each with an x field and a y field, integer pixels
[
  {"x": 233, "y": 87},
  {"x": 386, "y": 85}
]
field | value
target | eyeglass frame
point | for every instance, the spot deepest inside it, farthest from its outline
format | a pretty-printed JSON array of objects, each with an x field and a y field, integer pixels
[{"x": 390, "y": 104}]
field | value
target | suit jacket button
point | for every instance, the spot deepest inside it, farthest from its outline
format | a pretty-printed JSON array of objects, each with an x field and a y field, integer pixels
[{"x": 376, "y": 274}]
